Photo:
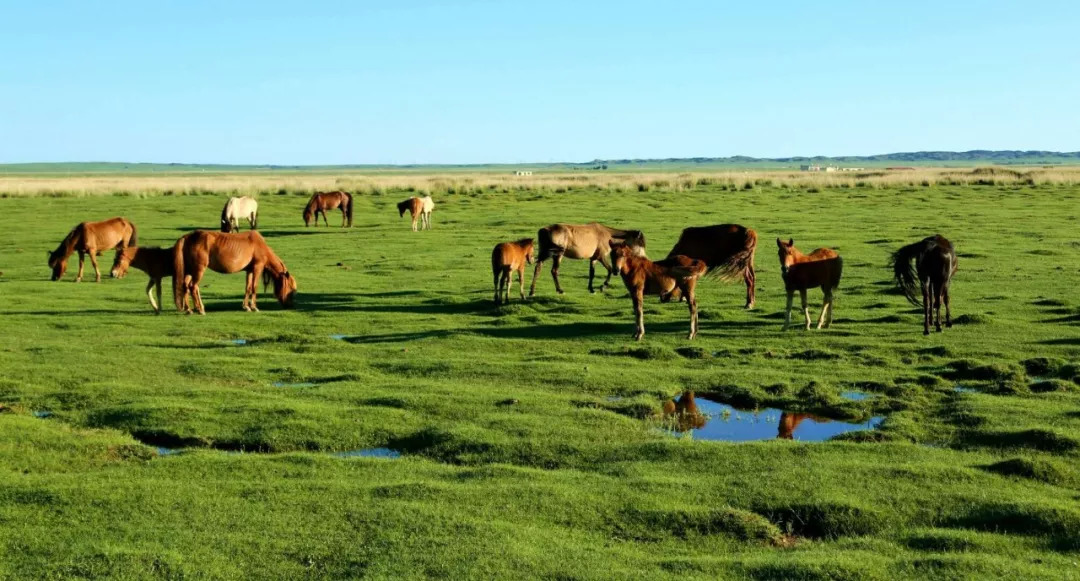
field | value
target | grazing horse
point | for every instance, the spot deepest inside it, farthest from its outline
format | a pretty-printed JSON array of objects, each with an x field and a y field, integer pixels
[
  {"x": 684, "y": 411},
  {"x": 235, "y": 209},
  {"x": 420, "y": 209},
  {"x": 821, "y": 267},
  {"x": 154, "y": 261},
  {"x": 791, "y": 420},
  {"x": 92, "y": 238},
  {"x": 228, "y": 253},
  {"x": 592, "y": 241},
  {"x": 935, "y": 265},
  {"x": 728, "y": 250},
  {"x": 643, "y": 276},
  {"x": 323, "y": 201},
  {"x": 507, "y": 258}
]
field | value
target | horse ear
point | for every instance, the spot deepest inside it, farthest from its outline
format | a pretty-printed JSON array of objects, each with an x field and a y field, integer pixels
[
  {"x": 791, "y": 242},
  {"x": 780, "y": 243}
]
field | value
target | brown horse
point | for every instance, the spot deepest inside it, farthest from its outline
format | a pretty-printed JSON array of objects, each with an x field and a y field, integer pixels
[
  {"x": 643, "y": 276},
  {"x": 821, "y": 267},
  {"x": 728, "y": 250},
  {"x": 154, "y": 261},
  {"x": 791, "y": 420},
  {"x": 419, "y": 209},
  {"x": 228, "y": 253},
  {"x": 507, "y": 258},
  {"x": 685, "y": 413},
  {"x": 323, "y": 201},
  {"x": 592, "y": 241},
  {"x": 935, "y": 265},
  {"x": 92, "y": 238}
]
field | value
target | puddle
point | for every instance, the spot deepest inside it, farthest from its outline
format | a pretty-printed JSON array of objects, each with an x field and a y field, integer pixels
[
  {"x": 166, "y": 451},
  {"x": 962, "y": 389},
  {"x": 710, "y": 420},
  {"x": 42, "y": 414},
  {"x": 237, "y": 341},
  {"x": 300, "y": 384},
  {"x": 339, "y": 337},
  {"x": 856, "y": 395},
  {"x": 369, "y": 453}
]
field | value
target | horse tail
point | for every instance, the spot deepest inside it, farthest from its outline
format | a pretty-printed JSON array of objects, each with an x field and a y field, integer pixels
[
  {"x": 543, "y": 236},
  {"x": 178, "y": 273},
  {"x": 134, "y": 239},
  {"x": 348, "y": 207},
  {"x": 904, "y": 271},
  {"x": 225, "y": 224},
  {"x": 740, "y": 261}
]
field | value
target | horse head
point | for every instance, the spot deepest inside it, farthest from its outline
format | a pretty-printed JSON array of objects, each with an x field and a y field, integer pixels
[
  {"x": 787, "y": 253},
  {"x": 403, "y": 206},
  {"x": 122, "y": 262},
  {"x": 309, "y": 212},
  {"x": 526, "y": 245},
  {"x": 57, "y": 263},
  {"x": 284, "y": 287}
]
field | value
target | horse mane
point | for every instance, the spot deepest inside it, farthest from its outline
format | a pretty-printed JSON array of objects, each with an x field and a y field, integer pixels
[
  {"x": 524, "y": 242},
  {"x": 904, "y": 270},
  {"x": 67, "y": 245}
]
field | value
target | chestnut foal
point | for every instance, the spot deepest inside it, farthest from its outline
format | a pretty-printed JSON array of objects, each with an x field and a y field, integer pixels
[{"x": 643, "y": 276}]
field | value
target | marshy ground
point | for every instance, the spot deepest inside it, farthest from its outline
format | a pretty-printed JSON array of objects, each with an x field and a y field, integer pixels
[{"x": 398, "y": 424}]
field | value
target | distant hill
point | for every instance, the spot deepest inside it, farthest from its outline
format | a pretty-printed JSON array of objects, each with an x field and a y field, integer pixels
[{"x": 921, "y": 158}]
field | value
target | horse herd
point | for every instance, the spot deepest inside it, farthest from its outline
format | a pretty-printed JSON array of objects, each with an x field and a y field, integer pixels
[{"x": 725, "y": 251}]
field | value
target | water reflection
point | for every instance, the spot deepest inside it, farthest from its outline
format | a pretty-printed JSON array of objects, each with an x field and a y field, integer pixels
[{"x": 710, "y": 420}]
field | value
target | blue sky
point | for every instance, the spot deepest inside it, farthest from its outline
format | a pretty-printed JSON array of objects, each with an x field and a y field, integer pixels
[{"x": 485, "y": 81}]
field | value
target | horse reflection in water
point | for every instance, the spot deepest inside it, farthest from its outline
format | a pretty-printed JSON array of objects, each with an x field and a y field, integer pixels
[{"x": 686, "y": 416}]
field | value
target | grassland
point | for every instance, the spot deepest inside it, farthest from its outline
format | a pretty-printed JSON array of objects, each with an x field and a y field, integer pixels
[{"x": 517, "y": 460}]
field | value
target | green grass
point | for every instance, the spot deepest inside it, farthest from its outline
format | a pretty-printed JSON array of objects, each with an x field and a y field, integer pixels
[{"x": 516, "y": 462}]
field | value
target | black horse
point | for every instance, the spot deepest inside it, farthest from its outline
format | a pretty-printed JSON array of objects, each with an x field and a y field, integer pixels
[{"x": 935, "y": 265}]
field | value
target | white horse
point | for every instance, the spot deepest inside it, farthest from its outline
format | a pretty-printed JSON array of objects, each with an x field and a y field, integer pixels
[{"x": 239, "y": 208}]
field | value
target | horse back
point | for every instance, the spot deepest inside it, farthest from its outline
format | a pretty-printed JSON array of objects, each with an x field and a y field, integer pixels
[
  {"x": 822, "y": 267},
  {"x": 714, "y": 244}
]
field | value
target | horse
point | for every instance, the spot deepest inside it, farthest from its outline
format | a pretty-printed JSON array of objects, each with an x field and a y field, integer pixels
[
  {"x": 237, "y": 208},
  {"x": 420, "y": 209},
  {"x": 643, "y": 276},
  {"x": 578, "y": 241},
  {"x": 821, "y": 267},
  {"x": 323, "y": 201},
  {"x": 228, "y": 253},
  {"x": 92, "y": 238},
  {"x": 728, "y": 250},
  {"x": 507, "y": 258},
  {"x": 685, "y": 413},
  {"x": 154, "y": 261},
  {"x": 791, "y": 420},
  {"x": 935, "y": 265}
]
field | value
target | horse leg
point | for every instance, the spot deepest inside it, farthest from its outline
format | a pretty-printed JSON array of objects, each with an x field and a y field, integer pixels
[
  {"x": 196, "y": 295},
  {"x": 521, "y": 281},
  {"x": 536, "y": 273},
  {"x": 82, "y": 257},
  {"x": 415, "y": 217},
  {"x": 497, "y": 281},
  {"x": 805, "y": 308},
  {"x": 688, "y": 291},
  {"x": 639, "y": 313},
  {"x": 93, "y": 262},
  {"x": 247, "y": 290},
  {"x": 948, "y": 309},
  {"x": 150, "y": 295},
  {"x": 324, "y": 220},
  {"x": 604, "y": 260},
  {"x": 937, "y": 307},
  {"x": 555, "y": 262},
  {"x": 592, "y": 273},
  {"x": 750, "y": 278},
  {"x": 256, "y": 273},
  {"x": 157, "y": 290},
  {"x": 787, "y": 313},
  {"x": 832, "y": 301},
  {"x": 825, "y": 304},
  {"x": 926, "y": 306},
  {"x": 343, "y": 216}
]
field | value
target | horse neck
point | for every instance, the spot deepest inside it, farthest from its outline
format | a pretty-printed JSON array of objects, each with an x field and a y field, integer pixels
[
  {"x": 797, "y": 257},
  {"x": 67, "y": 245}
]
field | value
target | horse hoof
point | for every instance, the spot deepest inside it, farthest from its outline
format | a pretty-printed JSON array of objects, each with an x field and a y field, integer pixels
[{"x": 926, "y": 332}]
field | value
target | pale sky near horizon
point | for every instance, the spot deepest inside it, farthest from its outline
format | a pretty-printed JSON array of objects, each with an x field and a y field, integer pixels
[{"x": 486, "y": 81}]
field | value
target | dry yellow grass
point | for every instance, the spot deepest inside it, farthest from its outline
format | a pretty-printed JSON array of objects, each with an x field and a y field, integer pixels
[{"x": 436, "y": 183}]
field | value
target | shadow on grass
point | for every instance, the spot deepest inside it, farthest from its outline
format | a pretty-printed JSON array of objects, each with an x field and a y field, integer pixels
[{"x": 398, "y": 337}]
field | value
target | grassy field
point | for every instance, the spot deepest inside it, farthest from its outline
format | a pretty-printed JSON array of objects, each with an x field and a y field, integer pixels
[{"x": 530, "y": 438}]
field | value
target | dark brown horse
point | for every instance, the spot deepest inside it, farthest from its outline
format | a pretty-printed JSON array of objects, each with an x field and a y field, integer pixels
[
  {"x": 154, "y": 261},
  {"x": 592, "y": 241},
  {"x": 935, "y": 265},
  {"x": 821, "y": 268},
  {"x": 93, "y": 239},
  {"x": 728, "y": 250},
  {"x": 323, "y": 201},
  {"x": 643, "y": 276},
  {"x": 228, "y": 253},
  {"x": 508, "y": 258}
]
